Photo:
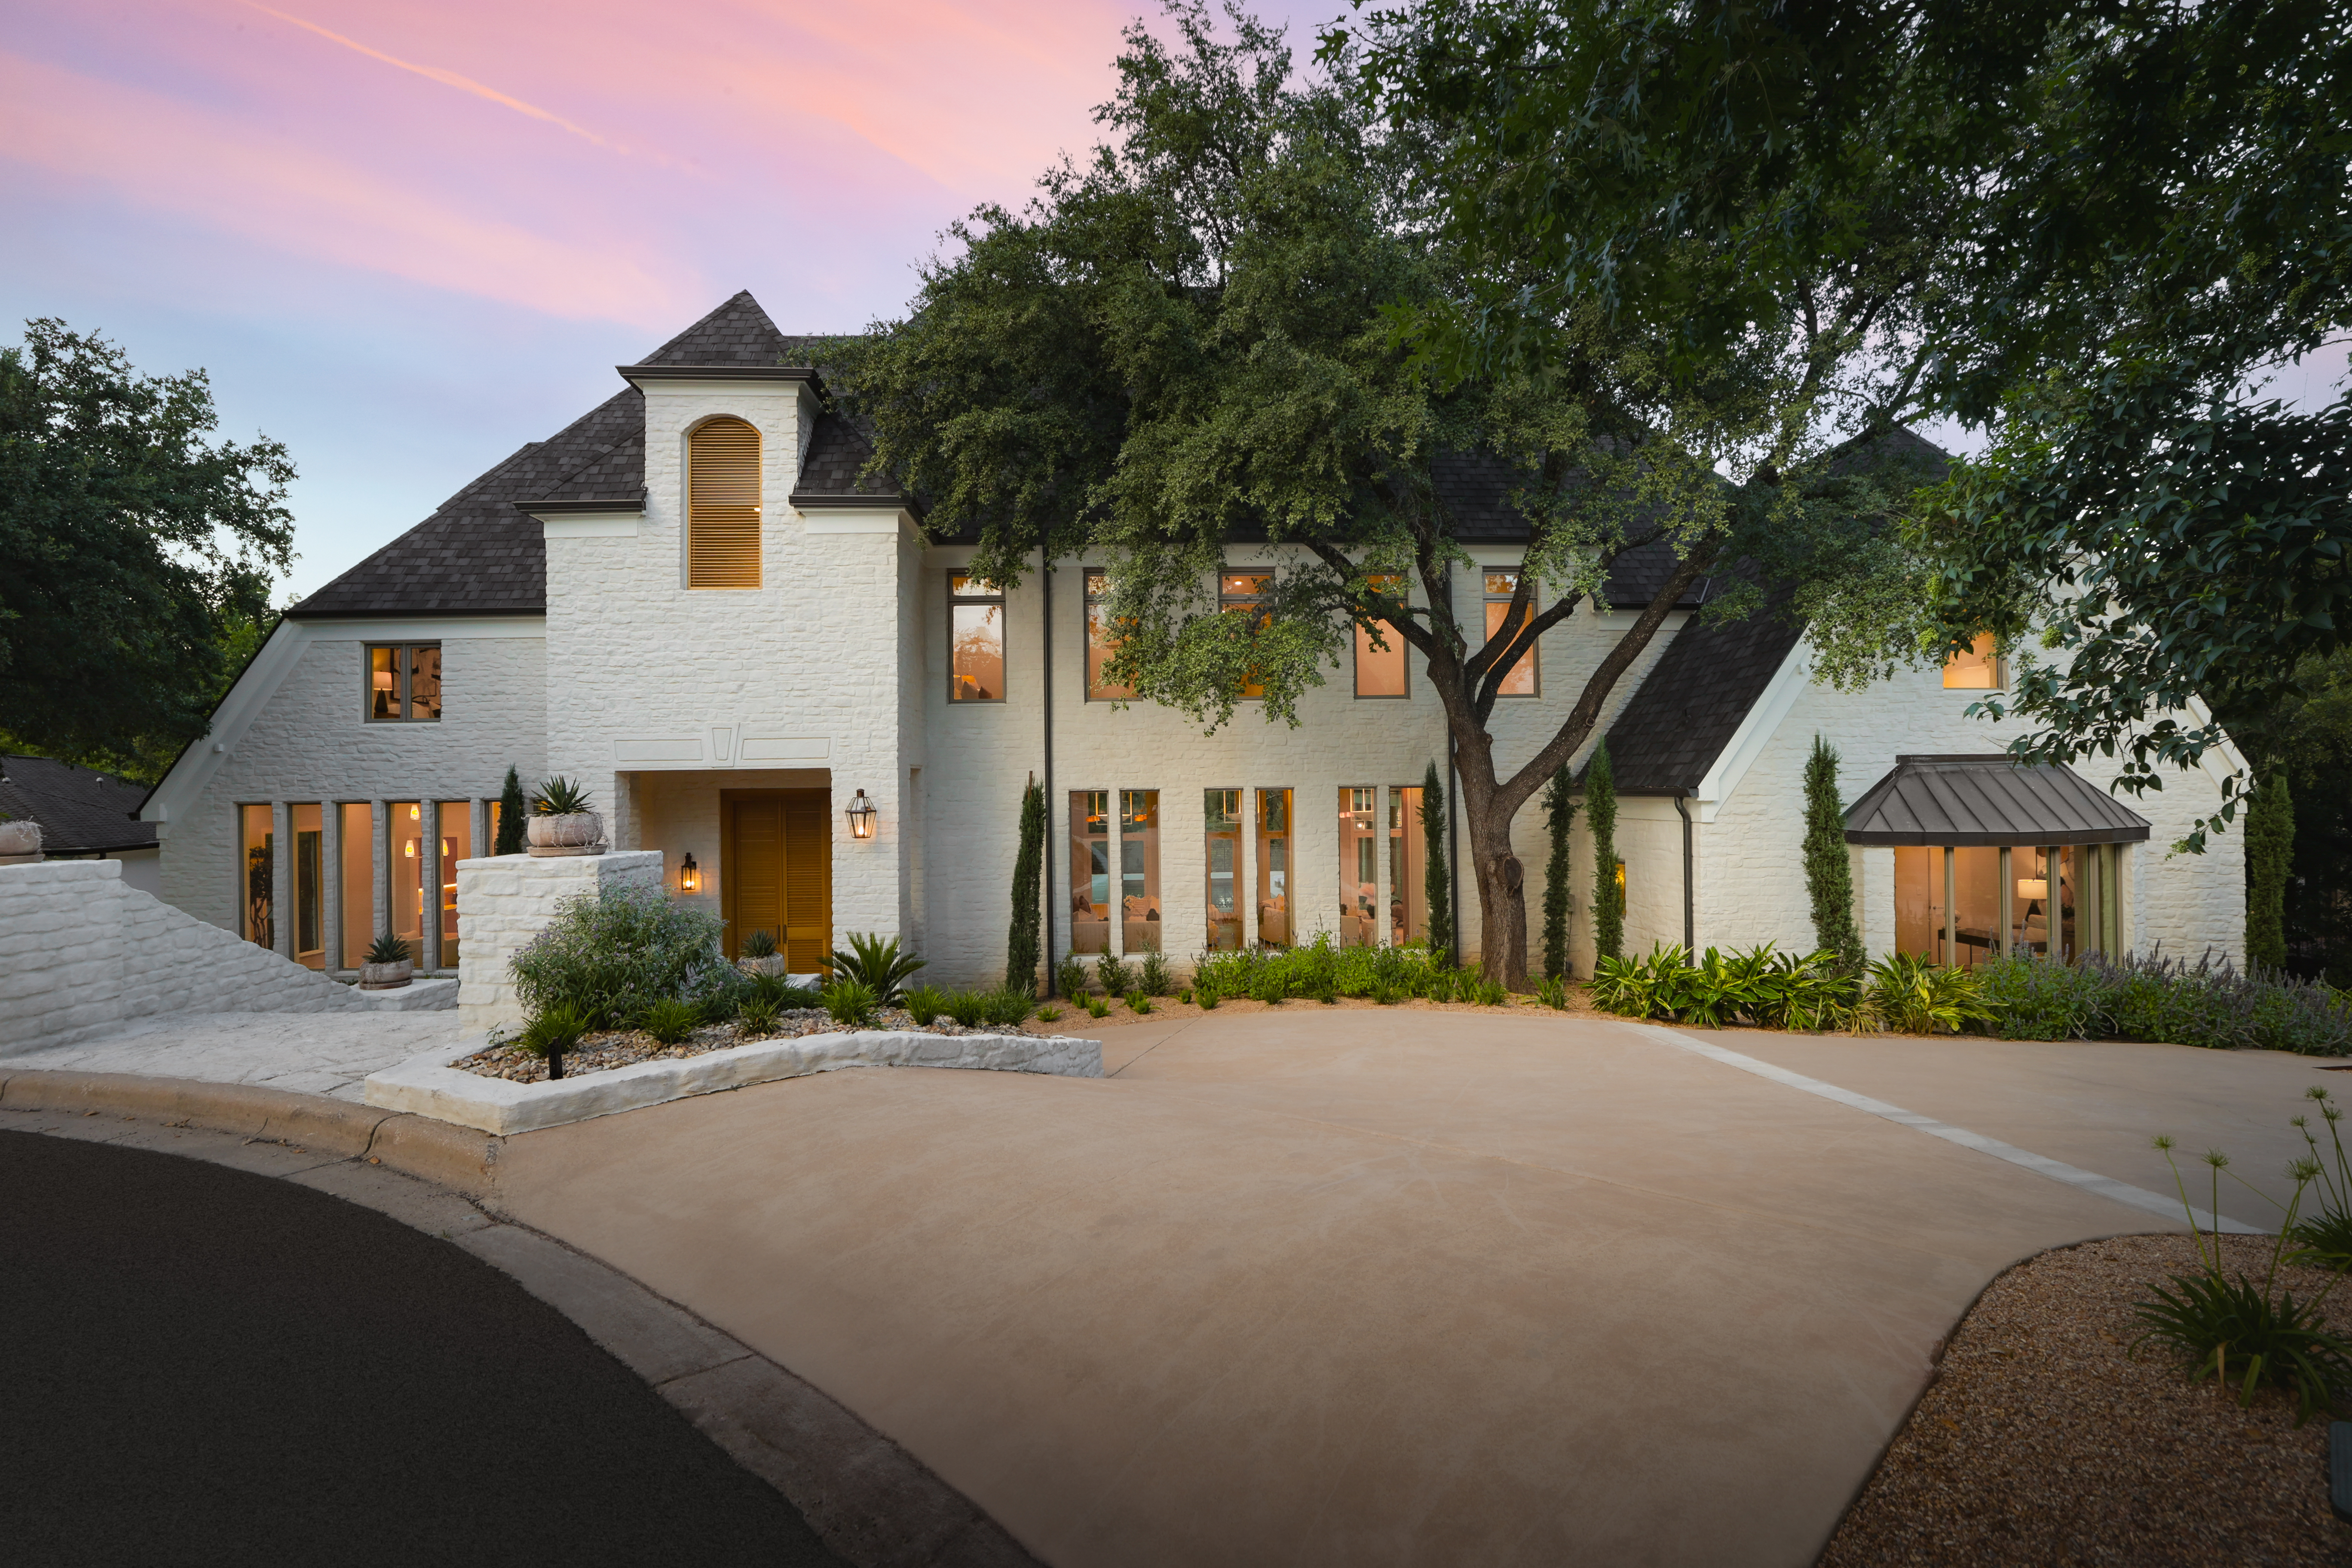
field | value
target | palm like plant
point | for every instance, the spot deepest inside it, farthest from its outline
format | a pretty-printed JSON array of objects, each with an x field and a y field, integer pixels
[{"x": 876, "y": 963}]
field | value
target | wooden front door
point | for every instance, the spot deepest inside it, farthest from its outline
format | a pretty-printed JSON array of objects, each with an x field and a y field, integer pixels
[{"x": 775, "y": 871}]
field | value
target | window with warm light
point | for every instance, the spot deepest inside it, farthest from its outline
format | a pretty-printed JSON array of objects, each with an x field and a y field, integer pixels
[
  {"x": 1501, "y": 587},
  {"x": 1408, "y": 860},
  {"x": 1221, "y": 810},
  {"x": 722, "y": 505},
  {"x": 1100, "y": 642},
  {"x": 355, "y": 846},
  {"x": 1359, "y": 867},
  {"x": 455, "y": 830},
  {"x": 1380, "y": 671},
  {"x": 1250, "y": 595},
  {"x": 1138, "y": 870},
  {"x": 1275, "y": 846},
  {"x": 1090, "y": 870},
  {"x": 975, "y": 640},
  {"x": 258, "y": 876},
  {"x": 306, "y": 821},
  {"x": 1979, "y": 667},
  {"x": 403, "y": 683},
  {"x": 404, "y": 844}
]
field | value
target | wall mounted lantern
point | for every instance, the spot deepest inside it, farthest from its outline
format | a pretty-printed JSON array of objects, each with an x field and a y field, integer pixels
[
  {"x": 861, "y": 816},
  {"x": 690, "y": 875}
]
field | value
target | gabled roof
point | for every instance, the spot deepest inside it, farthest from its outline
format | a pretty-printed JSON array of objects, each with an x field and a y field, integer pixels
[
  {"x": 1695, "y": 699},
  {"x": 478, "y": 554},
  {"x": 829, "y": 475},
  {"x": 1973, "y": 800},
  {"x": 80, "y": 811}
]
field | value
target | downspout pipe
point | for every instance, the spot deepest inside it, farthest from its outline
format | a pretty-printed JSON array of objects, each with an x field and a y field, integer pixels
[
  {"x": 1690, "y": 900},
  {"x": 1046, "y": 899}
]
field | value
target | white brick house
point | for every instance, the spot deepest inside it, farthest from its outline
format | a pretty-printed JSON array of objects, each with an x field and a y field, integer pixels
[{"x": 686, "y": 602}]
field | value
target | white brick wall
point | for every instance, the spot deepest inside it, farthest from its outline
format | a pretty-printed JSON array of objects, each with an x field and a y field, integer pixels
[
  {"x": 505, "y": 900},
  {"x": 80, "y": 954}
]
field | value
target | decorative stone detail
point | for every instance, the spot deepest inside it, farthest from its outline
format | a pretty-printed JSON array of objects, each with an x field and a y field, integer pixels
[
  {"x": 20, "y": 842},
  {"x": 570, "y": 832},
  {"x": 504, "y": 901}
]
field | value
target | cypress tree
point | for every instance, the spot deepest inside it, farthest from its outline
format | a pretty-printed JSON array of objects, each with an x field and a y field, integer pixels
[
  {"x": 511, "y": 812},
  {"x": 2269, "y": 859},
  {"x": 1021, "y": 940},
  {"x": 1829, "y": 870},
  {"x": 1559, "y": 808},
  {"x": 1600, "y": 816},
  {"x": 1435, "y": 885}
]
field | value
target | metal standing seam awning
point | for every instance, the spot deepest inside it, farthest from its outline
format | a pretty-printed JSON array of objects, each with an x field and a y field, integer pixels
[{"x": 1988, "y": 801}]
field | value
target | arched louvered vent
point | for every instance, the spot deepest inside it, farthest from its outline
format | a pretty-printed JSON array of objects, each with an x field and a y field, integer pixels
[{"x": 722, "y": 505}]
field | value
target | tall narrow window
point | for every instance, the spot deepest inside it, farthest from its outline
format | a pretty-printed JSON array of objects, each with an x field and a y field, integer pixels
[
  {"x": 1221, "y": 812},
  {"x": 1380, "y": 671},
  {"x": 403, "y": 683},
  {"x": 457, "y": 833},
  {"x": 722, "y": 505},
  {"x": 1408, "y": 898},
  {"x": 310, "y": 885},
  {"x": 1100, "y": 642},
  {"x": 257, "y": 875},
  {"x": 1500, "y": 588},
  {"x": 1138, "y": 870},
  {"x": 1979, "y": 668},
  {"x": 1249, "y": 595},
  {"x": 357, "y": 838},
  {"x": 1359, "y": 869},
  {"x": 1275, "y": 846},
  {"x": 975, "y": 640},
  {"x": 1090, "y": 870},
  {"x": 406, "y": 853}
]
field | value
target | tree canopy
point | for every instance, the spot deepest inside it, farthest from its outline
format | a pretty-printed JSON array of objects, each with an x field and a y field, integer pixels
[{"x": 136, "y": 552}]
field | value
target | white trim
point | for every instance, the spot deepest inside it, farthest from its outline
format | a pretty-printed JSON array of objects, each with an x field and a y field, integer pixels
[
  {"x": 1756, "y": 731},
  {"x": 591, "y": 525},
  {"x": 194, "y": 770}
]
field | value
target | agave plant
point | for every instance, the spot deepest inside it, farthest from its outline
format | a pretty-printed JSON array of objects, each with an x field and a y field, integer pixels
[
  {"x": 760, "y": 944},
  {"x": 876, "y": 963},
  {"x": 558, "y": 796}
]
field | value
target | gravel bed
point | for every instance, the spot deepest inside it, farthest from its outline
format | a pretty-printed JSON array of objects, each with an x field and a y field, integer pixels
[
  {"x": 2041, "y": 1441},
  {"x": 610, "y": 1048}
]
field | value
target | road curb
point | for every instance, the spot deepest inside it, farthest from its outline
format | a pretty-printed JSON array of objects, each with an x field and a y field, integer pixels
[{"x": 872, "y": 1503}]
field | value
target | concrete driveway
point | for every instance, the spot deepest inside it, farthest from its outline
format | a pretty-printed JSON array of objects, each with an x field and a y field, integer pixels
[{"x": 1363, "y": 1287}]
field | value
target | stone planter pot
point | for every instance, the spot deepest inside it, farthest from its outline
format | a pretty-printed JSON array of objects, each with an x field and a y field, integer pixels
[
  {"x": 772, "y": 964},
  {"x": 387, "y": 976},
  {"x": 20, "y": 842},
  {"x": 574, "y": 833}
]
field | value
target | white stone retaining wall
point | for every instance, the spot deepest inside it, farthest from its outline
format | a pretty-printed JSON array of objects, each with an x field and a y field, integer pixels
[
  {"x": 80, "y": 954},
  {"x": 505, "y": 900}
]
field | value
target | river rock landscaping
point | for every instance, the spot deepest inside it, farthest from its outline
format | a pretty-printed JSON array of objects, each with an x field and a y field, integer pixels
[{"x": 605, "y": 1049}]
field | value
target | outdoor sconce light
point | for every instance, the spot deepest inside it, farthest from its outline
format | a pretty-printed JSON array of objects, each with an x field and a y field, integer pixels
[
  {"x": 861, "y": 816},
  {"x": 690, "y": 875}
]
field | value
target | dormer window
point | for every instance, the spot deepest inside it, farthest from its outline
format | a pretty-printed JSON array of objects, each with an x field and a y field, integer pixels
[
  {"x": 403, "y": 683},
  {"x": 722, "y": 505}
]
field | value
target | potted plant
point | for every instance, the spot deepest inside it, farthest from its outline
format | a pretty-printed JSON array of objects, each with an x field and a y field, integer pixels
[
  {"x": 20, "y": 840},
  {"x": 562, "y": 822},
  {"x": 760, "y": 954},
  {"x": 389, "y": 966}
]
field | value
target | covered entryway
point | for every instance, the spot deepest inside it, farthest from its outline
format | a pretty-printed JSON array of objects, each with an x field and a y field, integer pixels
[
  {"x": 775, "y": 858},
  {"x": 1992, "y": 857}
]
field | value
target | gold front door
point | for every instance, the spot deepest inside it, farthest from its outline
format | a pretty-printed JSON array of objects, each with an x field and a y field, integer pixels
[{"x": 775, "y": 871}]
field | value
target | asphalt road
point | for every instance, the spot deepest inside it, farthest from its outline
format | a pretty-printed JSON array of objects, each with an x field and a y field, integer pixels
[{"x": 204, "y": 1366}]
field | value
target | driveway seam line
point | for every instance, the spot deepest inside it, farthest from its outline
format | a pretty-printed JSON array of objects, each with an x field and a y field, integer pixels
[{"x": 2040, "y": 1165}]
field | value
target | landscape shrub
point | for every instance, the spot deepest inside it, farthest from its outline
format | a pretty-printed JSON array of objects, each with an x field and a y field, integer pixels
[
  {"x": 757, "y": 1015},
  {"x": 1007, "y": 1008},
  {"x": 554, "y": 1030},
  {"x": 1113, "y": 976},
  {"x": 968, "y": 1008},
  {"x": 1070, "y": 976},
  {"x": 851, "y": 1003},
  {"x": 876, "y": 963},
  {"x": 1769, "y": 988},
  {"x": 669, "y": 1020},
  {"x": 2169, "y": 1001},
  {"x": 609, "y": 954},
  {"x": 1153, "y": 979},
  {"x": 924, "y": 1002},
  {"x": 1913, "y": 996}
]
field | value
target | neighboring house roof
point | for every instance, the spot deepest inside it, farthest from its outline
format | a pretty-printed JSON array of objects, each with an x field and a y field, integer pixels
[
  {"x": 81, "y": 812},
  {"x": 1978, "y": 801}
]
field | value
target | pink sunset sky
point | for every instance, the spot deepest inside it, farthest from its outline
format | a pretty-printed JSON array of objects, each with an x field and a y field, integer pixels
[{"x": 406, "y": 236}]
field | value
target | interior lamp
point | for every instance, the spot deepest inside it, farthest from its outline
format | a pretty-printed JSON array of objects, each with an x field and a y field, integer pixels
[
  {"x": 2033, "y": 889},
  {"x": 860, "y": 813},
  {"x": 690, "y": 875}
]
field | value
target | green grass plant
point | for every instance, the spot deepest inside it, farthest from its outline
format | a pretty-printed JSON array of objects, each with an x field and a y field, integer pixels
[
  {"x": 924, "y": 1002},
  {"x": 1006, "y": 1007},
  {"x": 757, "y": 1015},
  {"x": 1096, "y": 1008},
  {"x": 852, "y": 1003},
  {"x": 554, "y": 1030},
  {"x": 670, "y": 1019}
]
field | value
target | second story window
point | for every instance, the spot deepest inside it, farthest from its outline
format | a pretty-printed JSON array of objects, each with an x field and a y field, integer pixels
[
  {"x": 1380, "y": 671},
  {"x": 722, "y": 505},
  {"x": 975, "y": 640},
  {"x": 1100, "y": 642},
  {"x": 1500, "y": 586},
  {"x": 1249, "y": 593},
  {"x": 1980, "y": 668},
  {"x": 403, "y": 683}
]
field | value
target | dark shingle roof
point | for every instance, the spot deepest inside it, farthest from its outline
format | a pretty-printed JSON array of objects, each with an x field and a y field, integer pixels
[
  {"x": 1694, "y": 698},
  {"x": 79, "y": 811},
  {"x": 738, "y": 332},
  {"x": 1978, "y": 800},
  {"x": 837, "y": 454}
]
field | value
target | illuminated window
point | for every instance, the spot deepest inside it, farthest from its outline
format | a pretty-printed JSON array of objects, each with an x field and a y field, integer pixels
[
  {"x": 722, "y": 505},
  {"x": 1979, "y": 668},
  {"x": 1221, "y": 812},
  {"x": 258, "y": 876},
  {"x": 1275, "y": 846},
  {"x": 1500, "y": 587},
  {"x": 975, "y": 640},
  {"x": 1100, "y": 643},
  {"x": 1090, "y": 870},
  {"x": 1359, "y": 867},
  {"x": 1408, "y": 865},
  {"x": 305, "y": 822},
  {"x": 356, "y": 835},
  {"x": 1248, "y": 594},
  {"x": 405, "y": 853},
  {"x": 1138, "y": 870},
  {"x": 403, "y": 683},
  {"x": 1380, "y": 671},
  {"x": 457, "y": 833}
]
